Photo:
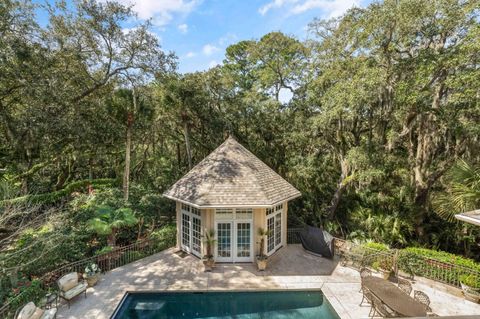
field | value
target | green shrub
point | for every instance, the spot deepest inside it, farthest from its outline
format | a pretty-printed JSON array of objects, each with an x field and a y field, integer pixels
[
  {"x": 53, "y": 197},
  {"x": 376, "y": 246},
  {"x": 103, "y": 250},
  {"x": 165, "y": 237},
  {"x": 28, "y": 291},
  {"x": 423, "y": 262},
  {"x": 442, "y": 256},
  {"x": 470, "y": 280}
]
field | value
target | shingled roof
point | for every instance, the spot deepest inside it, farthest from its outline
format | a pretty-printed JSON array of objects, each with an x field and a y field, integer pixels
[{"x": 231, "y": 176}]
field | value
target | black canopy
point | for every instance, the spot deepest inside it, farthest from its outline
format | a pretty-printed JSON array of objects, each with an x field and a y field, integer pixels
[{"x": 317, "y": 241}]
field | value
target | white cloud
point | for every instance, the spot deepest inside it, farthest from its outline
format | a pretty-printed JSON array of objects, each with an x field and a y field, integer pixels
[
  {"x": 275, "y": 4},
  {"x": 190, "y": 55},
  {"x": 183, "y": 28},
  {"x": 209, "y": 49},
  {"x": 160, "y": 11},
  {"x": 213, "y": 64},
  {"x": 329, "y": 8},
  {"x": 228, "y": 39},
  {"x": 332, "y": 8}
]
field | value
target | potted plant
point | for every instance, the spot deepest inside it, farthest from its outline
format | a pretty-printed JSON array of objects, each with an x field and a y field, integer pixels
[
  {"x": 384, "y": 266},
  {"x": 209, "y": 241},
  {"x": 92, "y": 274},
  {"x": 470, "y": 287},
  {"x": 261, "y": 257}
]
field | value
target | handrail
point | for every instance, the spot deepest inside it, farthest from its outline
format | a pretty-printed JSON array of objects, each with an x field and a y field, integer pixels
[
  {"x": 413, "y": 264},
  {"x": 107, "y": 261}
]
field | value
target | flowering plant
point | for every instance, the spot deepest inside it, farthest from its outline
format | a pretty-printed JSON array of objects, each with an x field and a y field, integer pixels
[{"x": 91, "y": 270}]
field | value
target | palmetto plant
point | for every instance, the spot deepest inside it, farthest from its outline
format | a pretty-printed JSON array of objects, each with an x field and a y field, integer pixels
[
  {"x": 209, "y": 241},
  {"x": 109, "y": 220},
  {"x": 462, "y": 191},
  {"x": 262, "y": 233}
]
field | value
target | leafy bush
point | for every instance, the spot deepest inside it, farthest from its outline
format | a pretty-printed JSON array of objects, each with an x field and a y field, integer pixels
[
  {"x": 436, "y": 265},
  {"x": 376, "y": 246},
  {"x": 470, "y": 280},
  {"x": 27, "y": 291},
  {"x": 103, "y": 250},
  {"x": 442, "y": 256},
  {"x": 51, "y": 198},
  {"x": 165, "y": 236}
]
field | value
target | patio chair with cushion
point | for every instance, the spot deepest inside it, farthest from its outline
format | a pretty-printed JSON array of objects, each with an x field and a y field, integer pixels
[
  {"x": 30, "y": 311},
  {"x": 70, "y": 287},
  {"x": 422, "y": 297},
  {"x": 405, "y": 286}
]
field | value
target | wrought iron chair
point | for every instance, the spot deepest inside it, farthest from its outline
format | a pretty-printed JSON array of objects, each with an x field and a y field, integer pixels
[
  {"x": 366, "y": 295},
  {"x": 422, "y": 297},
  {"x": 382, "y": 309},
  {"x": 364, "y": 272},
  {"x": 405, "y": 286}
]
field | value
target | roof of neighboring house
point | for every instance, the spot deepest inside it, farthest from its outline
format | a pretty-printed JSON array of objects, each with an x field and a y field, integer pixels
[
  {"x": 472, "y": 217},
  {"x": 231, "y": 176}
]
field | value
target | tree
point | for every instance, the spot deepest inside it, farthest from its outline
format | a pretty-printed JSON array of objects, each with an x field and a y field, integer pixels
[
  {"x": 279, "y": 62},
  {"x": 404, "y": 64},
  {"x": 462, "y": 194},
  {"x": 109, "y": 221}
]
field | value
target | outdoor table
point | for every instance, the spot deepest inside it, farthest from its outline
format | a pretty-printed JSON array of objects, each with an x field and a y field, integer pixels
[{"x": 394, "y": 297}]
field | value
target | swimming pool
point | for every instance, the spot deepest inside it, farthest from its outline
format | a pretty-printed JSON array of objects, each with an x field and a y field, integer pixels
[{"x": 214, "y": 305}]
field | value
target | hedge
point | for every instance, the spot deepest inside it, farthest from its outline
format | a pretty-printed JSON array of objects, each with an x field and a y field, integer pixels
[{"x": 437, "y": 265}]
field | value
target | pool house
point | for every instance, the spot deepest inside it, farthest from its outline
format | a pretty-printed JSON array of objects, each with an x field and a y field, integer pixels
[{"x": 234, "y": 193}]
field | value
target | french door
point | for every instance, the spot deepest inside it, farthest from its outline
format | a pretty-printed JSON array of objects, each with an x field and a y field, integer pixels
[
  {"x": 234, "y": 241},
  {"x": 191, "y": 230},
  {"x": 274, "y": 227}
]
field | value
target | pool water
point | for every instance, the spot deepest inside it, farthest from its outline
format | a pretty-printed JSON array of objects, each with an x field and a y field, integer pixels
[{"x": 241, "y": 305}]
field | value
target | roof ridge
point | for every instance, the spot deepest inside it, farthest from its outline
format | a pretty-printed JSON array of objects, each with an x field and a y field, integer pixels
[
  {"x": 271, "y": 169},
  {"x": 232, "y": 175},
  {"x": 250, "y": 154}
]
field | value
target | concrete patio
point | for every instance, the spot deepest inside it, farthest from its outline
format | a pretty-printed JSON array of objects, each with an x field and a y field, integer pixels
[{"x": 289, "y": 268}]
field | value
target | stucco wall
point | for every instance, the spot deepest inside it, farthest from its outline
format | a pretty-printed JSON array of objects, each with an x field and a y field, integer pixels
[{"x": 259, "y": 221}]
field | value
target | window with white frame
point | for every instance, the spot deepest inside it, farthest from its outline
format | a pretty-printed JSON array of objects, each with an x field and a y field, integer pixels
[
  {"x": 191, "y": 229},
  {"x": 274, "y": 227}
]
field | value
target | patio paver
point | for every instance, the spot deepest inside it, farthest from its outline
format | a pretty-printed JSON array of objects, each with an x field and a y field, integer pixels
[{"x": 290, "y": 268}]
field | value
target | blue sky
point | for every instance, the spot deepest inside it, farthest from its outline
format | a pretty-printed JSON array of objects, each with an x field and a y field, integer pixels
[{"x": 198, "y": 31}]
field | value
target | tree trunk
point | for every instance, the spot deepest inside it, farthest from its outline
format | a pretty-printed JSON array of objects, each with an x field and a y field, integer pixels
[
  {"x": 186, "y": 132},
  {"x": 112, "y": 239},
  {"x": 342, "y": 183},
  {"x": 128, "y": 147}
]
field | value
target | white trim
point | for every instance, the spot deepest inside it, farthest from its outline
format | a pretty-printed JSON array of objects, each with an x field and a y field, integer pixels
[
  {"x": 231, "y": 206},
  {"x": 468, "y": 219},
  {"x": 233, "y": 221},
  {"x": 189, "y": 248},
  {"x": 274, "y": 215}
]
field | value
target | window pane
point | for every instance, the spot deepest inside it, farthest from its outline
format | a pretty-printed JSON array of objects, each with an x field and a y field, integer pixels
[
  {"x": 243, "y": 240},
  {"x": 223, "y": 213},
  {"x": 244, "y": 213},
  {"x": 224, "y": 239},
  {"x": 186, "y": 230},
  {"x": 278, "y": 229},
  {"x": 196, "y": 234},
  {"x": 271, "y": 235}
]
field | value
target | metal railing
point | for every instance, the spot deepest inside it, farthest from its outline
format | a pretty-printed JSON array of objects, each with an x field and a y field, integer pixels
[
  {"x": 408, "y": 263},
  {"x": 293, "y": 235},
  {"x": 107, "y": 261}
]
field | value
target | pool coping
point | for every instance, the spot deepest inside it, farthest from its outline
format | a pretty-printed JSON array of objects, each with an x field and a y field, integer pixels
[{"x": 126, "y": 293}]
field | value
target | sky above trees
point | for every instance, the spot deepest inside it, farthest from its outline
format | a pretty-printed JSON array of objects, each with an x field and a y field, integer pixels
[{"x": 199, "y": 31}]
